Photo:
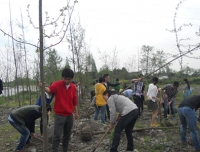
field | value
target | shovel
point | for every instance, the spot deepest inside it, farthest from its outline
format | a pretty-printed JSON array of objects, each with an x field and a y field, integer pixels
[{"x": 100, "y": 140}]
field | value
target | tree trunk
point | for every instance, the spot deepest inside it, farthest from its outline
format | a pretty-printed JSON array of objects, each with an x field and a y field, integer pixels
[
  {"x": 15, "y": 61},
  {"x": 44, "y": 111},
  {"x": 26, "y": 66}
]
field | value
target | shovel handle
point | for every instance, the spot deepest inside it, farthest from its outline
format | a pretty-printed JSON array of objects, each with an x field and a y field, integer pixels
[{"x": 100, "y": 140}]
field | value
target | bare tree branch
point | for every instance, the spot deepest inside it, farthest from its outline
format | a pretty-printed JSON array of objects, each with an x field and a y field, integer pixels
[
  {"x": 64, "y": 31},
  {"x": 17, "y": 40}
]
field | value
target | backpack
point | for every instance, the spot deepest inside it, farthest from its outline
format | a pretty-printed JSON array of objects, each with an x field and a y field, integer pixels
[{"x": 190, "y": 91}]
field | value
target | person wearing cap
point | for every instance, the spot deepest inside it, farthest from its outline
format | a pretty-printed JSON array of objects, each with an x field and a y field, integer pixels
[
  {"x": 23, "y": 119},
  {"x": 128, "y": 93},
  {"x": 170, "y": 91}
]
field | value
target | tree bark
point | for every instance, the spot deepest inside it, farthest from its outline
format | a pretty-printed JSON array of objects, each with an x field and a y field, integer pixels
[{"x": 44, "y": 111}]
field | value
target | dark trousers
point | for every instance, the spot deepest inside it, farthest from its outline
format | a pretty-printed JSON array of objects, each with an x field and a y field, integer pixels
[
  {"x": 126, "y": 122},
  {"x": 108, "y": 112},
  {"x": 41, "y": 124},
  {"x": 137, "y": 101},
  {"x": 63, "y": 124},
  {"x": 142, "y": 103}
]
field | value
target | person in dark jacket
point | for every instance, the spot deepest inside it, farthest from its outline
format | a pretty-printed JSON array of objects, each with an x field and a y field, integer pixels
[
  {"x": 49, "y": 98},
  {"x": 107, "y": 85},
  {"x": 187, "y": 115},
  {"x": 23, "y": 119},
  {"x": 1, "y": 86},
  {"x": 169, "y": 95}
]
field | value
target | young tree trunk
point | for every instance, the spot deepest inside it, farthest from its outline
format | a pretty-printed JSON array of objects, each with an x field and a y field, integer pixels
[
  {"x": 44, "y": 111},
  {"x": 15, "y": 60},
  {"x": 26, "y": 65}
]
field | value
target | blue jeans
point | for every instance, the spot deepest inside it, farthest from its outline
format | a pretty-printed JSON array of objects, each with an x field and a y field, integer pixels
[
  {"x": 126, "y": 122},
  {"x": 166, "y": 107},
  {"x": 188, "y": 117},
  {"x": 103, "y": 113},
  {"x": 24, "y": 134}
]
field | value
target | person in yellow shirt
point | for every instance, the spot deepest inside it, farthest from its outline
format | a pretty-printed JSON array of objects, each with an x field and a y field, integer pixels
[{"x": 100, "y": 101}]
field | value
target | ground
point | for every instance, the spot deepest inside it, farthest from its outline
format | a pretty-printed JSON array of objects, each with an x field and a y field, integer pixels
[{"x": 146, "y": 139}]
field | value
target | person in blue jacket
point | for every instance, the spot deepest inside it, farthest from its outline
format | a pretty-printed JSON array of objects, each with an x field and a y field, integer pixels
[{"x": 49, "y": 98}]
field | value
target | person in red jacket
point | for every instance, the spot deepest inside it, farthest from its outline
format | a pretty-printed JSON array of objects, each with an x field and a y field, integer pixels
[{"x": 64, "y": 106}]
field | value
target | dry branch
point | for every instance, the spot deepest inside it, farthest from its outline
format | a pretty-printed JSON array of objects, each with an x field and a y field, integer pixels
[{"x": 137, "y": 129}]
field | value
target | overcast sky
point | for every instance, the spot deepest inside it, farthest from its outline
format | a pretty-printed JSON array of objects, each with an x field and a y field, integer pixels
[{"x": 125, "y": 25}]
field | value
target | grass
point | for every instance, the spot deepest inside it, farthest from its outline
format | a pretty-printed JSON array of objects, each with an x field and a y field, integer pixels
[
  {"x": 8, "y": 133},
  {"x": 138, "y": 125},
  {"x": 146, "y": 139}
]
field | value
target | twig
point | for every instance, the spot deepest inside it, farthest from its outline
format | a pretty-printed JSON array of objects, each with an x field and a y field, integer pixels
[
  {"x": 137, "y": 129},
  {"x": 16, "y": 39},
  {"x": 64, "y": 32}
]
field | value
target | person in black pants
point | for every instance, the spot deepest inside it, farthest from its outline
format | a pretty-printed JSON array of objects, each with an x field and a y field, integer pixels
[
  {"x": 137, "y": 91},
  {"x": 127, "y": 115},
  {"x": 142, "y": 98},
  {"x": 107, "y": 85}
]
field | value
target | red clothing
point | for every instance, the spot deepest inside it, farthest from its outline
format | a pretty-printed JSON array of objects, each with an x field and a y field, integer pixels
[{"x": 65, "y": 99}]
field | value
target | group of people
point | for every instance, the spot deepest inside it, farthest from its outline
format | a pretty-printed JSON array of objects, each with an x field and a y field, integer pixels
[
  {"x": 65, "y": 108},
  {"x": 129, "y": 111},
  {"x": 122, "y": 112}
]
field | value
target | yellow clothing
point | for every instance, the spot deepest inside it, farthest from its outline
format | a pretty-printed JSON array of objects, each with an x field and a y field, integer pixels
[{"x": 99, "y": 90}]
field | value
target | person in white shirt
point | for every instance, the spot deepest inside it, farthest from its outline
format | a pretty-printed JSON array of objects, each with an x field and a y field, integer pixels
[{"x": 152, "y": 104}]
